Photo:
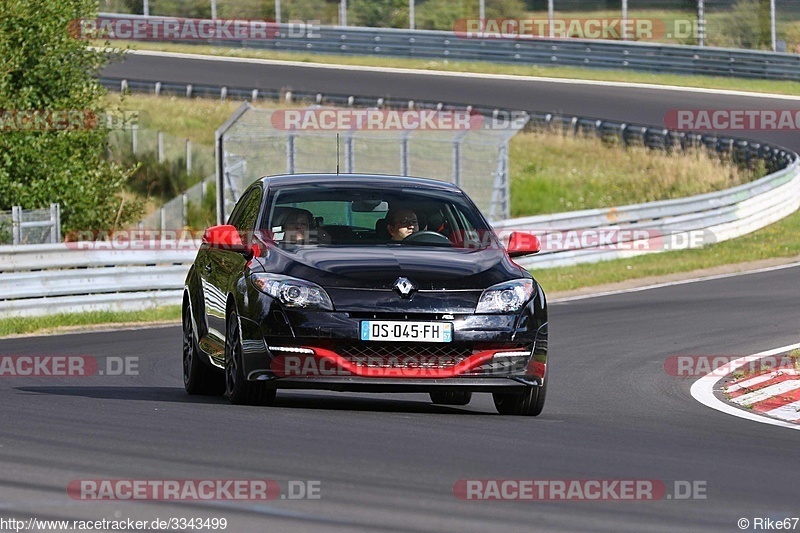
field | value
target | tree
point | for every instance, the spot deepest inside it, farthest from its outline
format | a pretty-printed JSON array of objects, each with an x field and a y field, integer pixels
[{"x": 47, "y": 72}]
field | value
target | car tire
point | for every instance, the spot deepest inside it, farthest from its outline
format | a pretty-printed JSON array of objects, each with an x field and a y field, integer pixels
[
  {"x": 529, "y": 403},
  {"x": 239, "y": 390},
  {"x": 451, "y": 397},
  {"x": 198, "y": 377}
]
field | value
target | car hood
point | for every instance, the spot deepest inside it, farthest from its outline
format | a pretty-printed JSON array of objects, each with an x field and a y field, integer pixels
[{"x": 378, "y": 267}]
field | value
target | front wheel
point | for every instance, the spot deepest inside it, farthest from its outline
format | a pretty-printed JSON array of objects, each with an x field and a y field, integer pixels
[
  {"x": 529, "y": 403},
  {"x": 239, "y": 390},
  {"x": 198, "y": 377}
]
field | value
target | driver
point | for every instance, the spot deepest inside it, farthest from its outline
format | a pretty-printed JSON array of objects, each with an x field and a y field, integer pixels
[
  {"x": 296, "y": 226},
  {"x": 401, "y": 223}
]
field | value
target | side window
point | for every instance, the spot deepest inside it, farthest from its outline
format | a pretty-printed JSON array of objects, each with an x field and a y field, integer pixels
[{"x": 246, "y": 213}]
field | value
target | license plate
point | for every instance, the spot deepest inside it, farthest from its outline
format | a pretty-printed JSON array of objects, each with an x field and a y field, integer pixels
[{"x": 395, "y": 330}]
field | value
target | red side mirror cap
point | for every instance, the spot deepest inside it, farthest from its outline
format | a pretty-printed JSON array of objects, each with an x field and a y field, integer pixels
[
  {"x": 520, "y": 243},
  {"x": 226, "y": 237}
]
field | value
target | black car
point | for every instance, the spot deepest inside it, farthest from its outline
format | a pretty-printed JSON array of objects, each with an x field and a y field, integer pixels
[{"x": 363, "y": 283}]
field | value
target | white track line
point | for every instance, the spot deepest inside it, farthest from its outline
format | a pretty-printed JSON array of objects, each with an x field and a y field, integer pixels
[
  {"x": 474, "y": 75},
  {"x": 703, "y": 390}
]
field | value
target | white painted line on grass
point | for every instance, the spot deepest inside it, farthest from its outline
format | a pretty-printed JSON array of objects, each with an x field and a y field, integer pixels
[
  {"x": 703, "y": 390},
  {"x": 448, "y": 74}
]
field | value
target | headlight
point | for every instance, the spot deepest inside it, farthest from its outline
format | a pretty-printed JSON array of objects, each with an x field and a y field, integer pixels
[
  {"x": 293, "y": 292},
  {"x": 506, "y": 297}
]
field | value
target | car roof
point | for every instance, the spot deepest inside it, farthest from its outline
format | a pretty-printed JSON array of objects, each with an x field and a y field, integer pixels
[{"x": 368, "y": 180}]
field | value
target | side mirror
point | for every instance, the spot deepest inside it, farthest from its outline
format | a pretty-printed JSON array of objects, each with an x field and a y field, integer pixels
[
  {"x": 522, "y": 244},
  {"x": 226, "y": 237}
]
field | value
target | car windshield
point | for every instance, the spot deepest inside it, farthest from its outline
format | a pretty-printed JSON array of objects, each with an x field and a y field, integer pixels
[{"x": 348, "y": 216}]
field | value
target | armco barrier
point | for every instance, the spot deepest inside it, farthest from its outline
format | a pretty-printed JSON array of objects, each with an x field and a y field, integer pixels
[
  {"x": 424, "y": 44},
  {"x": 57, "y": 278},
  {"x": 665, "y": 225}
]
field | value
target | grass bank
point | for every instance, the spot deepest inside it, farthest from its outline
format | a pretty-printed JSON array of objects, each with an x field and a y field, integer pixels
[{"x": 65, "y": 323}]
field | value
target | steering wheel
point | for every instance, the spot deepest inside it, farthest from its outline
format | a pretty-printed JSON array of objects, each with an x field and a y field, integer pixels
[{"x": 427, "y": 237}]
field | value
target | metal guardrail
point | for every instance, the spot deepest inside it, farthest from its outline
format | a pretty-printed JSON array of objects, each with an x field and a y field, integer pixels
[
  {"x": 426, "y": 44},
  {"x": 660, "y": 226},
  {"x": 62, "y": 278}
]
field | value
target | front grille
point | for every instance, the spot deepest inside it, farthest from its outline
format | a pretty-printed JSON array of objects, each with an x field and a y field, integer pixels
[
  {"x": 404, "y": 354},
  {"x": 410, "y": 355}
]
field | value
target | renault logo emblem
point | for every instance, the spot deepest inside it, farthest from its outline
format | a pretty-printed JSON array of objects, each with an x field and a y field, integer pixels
[{"x": 404, "y": 287}]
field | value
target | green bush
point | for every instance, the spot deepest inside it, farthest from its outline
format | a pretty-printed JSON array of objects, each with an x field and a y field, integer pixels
[
  {"x": 204, "y": 214},
  {"x": 44, "y": 68},
  {"x": 165, "y": 180},
  {"x": 743, "y": 27},
  {"x": 441, "y": 15}
]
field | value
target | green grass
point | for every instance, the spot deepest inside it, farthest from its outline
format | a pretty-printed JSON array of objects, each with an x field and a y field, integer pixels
[
  {"x": 781, "y": 239},
  {"x": 196, "y": 119},
  {"x": 66, "y": 322},
  {"x": 552, "y": 173},
  {"x": 708, "y": 82}
]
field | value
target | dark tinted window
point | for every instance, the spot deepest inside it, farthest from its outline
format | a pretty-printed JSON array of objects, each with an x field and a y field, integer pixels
[
  {"x": 245, "y": 214},
  {"x": 350, "y": 216}
]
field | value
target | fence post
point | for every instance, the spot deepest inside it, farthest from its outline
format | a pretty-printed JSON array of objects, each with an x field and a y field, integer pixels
[
  {"x": 55, "y": 220},
  {"x": 290, "y": 153},
  {"x": 160, "y": 146},
  {"x": 457, "y": 157},
  {"x": 184, "y": 209},
  {"x": 188, "y": 156},
  {"x": 135, "y": 138},
  {"x": 16, "y": 221},
  {"x": 404, "y": 170},
  {"x": 349, "y": 156}
]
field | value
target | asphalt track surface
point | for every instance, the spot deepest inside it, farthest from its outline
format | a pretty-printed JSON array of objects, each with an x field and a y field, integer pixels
[
  {"x": 639, "y": 105},
  {"x": 390, "y": 462}
]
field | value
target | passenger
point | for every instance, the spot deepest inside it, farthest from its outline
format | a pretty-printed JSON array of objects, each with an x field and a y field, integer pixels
[{"x": 400, "y": 223}]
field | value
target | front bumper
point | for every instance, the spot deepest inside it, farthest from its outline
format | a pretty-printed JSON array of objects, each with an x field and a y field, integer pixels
[
  {"x": 323, "y": 350},
  {"x": 407, "y": 385}
]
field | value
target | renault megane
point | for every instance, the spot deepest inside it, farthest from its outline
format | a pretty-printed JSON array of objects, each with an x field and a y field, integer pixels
[{"x": 364, "y": 283}]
